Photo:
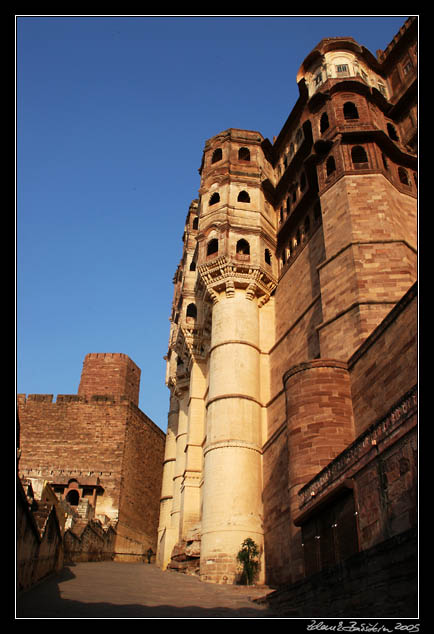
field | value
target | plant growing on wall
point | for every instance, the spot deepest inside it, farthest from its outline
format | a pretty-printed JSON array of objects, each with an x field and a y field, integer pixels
[{"x": 248, "y": 558}]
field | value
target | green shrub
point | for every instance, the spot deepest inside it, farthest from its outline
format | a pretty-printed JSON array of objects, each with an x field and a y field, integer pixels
[{"x": 248, "y": 557}]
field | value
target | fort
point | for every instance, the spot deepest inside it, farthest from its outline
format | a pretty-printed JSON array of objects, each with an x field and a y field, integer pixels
[
  {"x": 98, "y": 451},
  {"x": 292, "y": 358}
]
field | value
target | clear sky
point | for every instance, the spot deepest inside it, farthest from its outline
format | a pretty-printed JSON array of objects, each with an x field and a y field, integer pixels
[{"x": 112, "y": 116}]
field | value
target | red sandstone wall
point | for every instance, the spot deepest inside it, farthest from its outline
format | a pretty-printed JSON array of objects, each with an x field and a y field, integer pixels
[
  {"x": 387, "y": 365},
  {"x": 110, "y": 373},
  {"x": 142, "y": 475},
  {"x": 298, "y": 313},
  {"x": 109, "y": 438},
  {"x": 370, "y": 236},
  {"x": 74, "y": 436}
]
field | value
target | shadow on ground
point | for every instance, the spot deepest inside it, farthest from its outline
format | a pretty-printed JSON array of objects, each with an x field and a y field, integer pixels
[{"x": 44, "y": 601}]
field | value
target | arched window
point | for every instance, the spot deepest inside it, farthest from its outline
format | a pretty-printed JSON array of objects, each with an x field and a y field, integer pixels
[
  {"x": 191, "y": 311},
  {"x": 243, "y": 197},
  {"x": 330, "y": 165},
  {"x": 298, "y": 237},
  {"x": 243, "y": 247},
  {"x": 350, "y": 111},
  {"x": 244, "y": 154},
  {"x": 217, "y": 155},
  {"x": 403, "y": 176},
  {"x": 215, "y": 198},
  {"x": 193, "y": 266},
  {"x": 73, "y": 497},
  {"x": 212, "y": 247},
  {"x": 195, "y": 223},
  {"x": 358, "y": 155},
  {"x": 324, "y": 122},
  {"x": 391, "y": 131}
]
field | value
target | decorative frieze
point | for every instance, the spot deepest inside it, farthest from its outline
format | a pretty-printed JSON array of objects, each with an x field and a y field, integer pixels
[{"x": 372, "y": 437}]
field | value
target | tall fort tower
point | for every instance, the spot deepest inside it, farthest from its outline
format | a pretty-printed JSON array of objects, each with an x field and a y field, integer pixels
[{"x": 299, "y": 265}]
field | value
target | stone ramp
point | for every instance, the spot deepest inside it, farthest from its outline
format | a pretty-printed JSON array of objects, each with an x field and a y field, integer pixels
[{"x": 97, "y": 590}]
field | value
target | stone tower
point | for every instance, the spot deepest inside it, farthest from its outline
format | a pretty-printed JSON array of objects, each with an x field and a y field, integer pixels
[
  {"x": 296, "y": 256},
  {"x": 236, "y": 238}
]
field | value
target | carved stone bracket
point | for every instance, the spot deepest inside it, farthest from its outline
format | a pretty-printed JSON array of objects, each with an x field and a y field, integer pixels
[{"x": 224, "y": 275}]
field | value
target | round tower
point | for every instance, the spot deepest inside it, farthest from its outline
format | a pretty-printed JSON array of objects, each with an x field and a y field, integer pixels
[
  {"x": 320, "y": 425},
  {"x": 237, "y": 269}
]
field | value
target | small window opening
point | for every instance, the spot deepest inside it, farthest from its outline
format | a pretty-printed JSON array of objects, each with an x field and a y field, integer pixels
[
  {"x": 243, "y": 247},
  {"x": 358, "y": 155},
  {"x": 217, "y": 155},
  {"x": 191, "y": 311},
  {"x": 244, "y": 154},
  {"x": 243, "y": 197},
  {"x": 391, "y": 131},
  {"x": 330, "y": 165},
  {"x": 193, "y": 266},
  {"x": 73, "y": 497},
  {"x": 267, "y": 256},
  {"x": 195, "y": 223},
  {"x": 215, "y": 198},
  {"x": 350, "y": 111},
  {"x": 212, "y": 247},
  {"x": 342, "y": 70},
  {"x": 324, "y": 122}
]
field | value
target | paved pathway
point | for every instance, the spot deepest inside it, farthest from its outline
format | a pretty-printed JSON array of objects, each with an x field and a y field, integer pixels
[{"x": 110, "y": 590}]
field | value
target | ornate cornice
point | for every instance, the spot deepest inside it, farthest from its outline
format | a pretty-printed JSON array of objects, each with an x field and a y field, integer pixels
[{"x": 225, "y": 275}]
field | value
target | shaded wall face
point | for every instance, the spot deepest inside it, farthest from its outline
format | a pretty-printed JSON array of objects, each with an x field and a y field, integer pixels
[{"x": 319, "y": 426}]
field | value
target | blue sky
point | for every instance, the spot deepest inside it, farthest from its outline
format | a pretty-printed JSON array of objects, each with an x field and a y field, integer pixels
[{"x": 112, "y": 116}]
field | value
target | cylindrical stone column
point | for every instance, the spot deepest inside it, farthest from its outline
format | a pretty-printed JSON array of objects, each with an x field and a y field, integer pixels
[
  {"x": 165, "y": 538},
  {"x": 232, "y": 504},
  {"x": 320, "y": 425},
  {"x": 179, "y": 468}
]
